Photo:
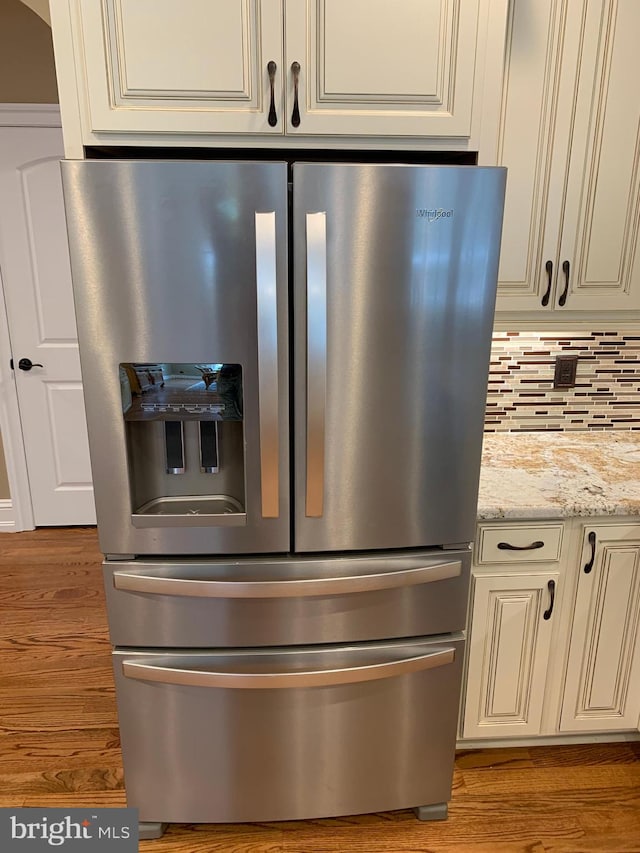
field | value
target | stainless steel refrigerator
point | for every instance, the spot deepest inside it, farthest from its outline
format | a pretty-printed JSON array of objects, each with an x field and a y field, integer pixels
[{"x": 285, "y": 370}]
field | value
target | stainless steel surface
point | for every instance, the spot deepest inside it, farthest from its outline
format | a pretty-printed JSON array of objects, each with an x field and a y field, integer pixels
[
  {"x": 266, "y": 286},
  {"x": 159, "y": 276},
  {"x": 412, "y": 255},
  {"x": 198, "y": 674},
  {"x": 277, "y": 602},
  {"x": 286, "y": 588},
  {"x": 316, "y": 232},
  {"x": 200, "y": 754},
  {"x": 190, "y": 510}
]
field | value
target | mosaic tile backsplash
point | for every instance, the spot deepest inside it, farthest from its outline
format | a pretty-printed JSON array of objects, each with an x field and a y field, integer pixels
[{"x": 521, "y": 395}]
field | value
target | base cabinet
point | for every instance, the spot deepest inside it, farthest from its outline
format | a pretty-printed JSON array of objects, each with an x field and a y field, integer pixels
[
  {"x": 508, "y": 654},
  {"x": 602, "y": 688},
  {"x": 577, "y": 671}
]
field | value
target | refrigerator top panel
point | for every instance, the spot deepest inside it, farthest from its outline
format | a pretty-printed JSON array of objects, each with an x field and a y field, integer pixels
[
  {"x": 181, "y": 289},
  {"x": 395, "y": 273}
]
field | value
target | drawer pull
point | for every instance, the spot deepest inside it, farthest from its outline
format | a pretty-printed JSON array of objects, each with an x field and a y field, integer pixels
[
  {"x": 552, "y": 593},
  {"x": 507, "y": 546},
  {"x": 592, "y": 542},
  {"x": 165, "y": 674},
  {"x": 269, "y": 588}
]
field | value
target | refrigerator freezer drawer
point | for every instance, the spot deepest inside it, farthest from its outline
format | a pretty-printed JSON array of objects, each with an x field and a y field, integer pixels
[
  {"x": 288, "y": 734},
  {"x": 245, "y": 603}
]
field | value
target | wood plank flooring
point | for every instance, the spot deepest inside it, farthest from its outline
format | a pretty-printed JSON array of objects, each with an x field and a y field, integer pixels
[{"x": 59, "y": 741}]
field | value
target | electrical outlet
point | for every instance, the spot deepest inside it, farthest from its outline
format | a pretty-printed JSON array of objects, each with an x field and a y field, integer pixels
[{"x": 565, "y": 375}]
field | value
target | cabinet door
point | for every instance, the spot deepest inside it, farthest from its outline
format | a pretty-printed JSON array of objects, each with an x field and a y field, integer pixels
[
  {"x": 543, "y": 41},
  {"x": 603, "y": 190},
  {"x": 511, "y": 627},
  {"x": 181, "y": 65},
  {"x": 392, "y": 69},
  {"x": 602, "y": 687}
]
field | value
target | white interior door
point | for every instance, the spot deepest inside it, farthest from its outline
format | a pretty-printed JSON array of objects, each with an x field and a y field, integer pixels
[{"x": 34, "y": 261}]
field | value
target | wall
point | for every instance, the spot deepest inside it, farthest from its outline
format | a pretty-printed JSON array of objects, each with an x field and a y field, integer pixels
[
  {"x": 521, "y": 394},
  {"x": 27, "y": 71}
]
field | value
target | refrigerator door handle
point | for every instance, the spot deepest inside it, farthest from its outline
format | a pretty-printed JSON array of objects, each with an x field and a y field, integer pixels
[
  {"x": 145, "y": 671},
  {"x": 316, "y": 360},
  {"x": 151, "y": 584},
  {"x": 267, "y": 304}
]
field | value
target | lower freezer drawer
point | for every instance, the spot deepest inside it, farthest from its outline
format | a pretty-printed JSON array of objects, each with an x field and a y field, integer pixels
[{"x": 289, "y": 734}]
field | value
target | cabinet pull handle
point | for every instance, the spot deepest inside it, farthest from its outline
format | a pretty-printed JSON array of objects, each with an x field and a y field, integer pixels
[
  {"x": 295, "y": 115},
  {"x": 592, "y": 541},
  {"x": 507, "y": 546},
  {"x": 273, "y": 116},
  {"x": 563, "y": 296},
  {"x": 549, "y": 270},
  {"x": 551, "y": 586}
]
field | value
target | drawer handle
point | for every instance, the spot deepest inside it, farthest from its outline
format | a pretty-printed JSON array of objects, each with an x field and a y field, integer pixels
[
  {"x": 507, "y": 546},
  {"x": 295, "y": 115},
  {"x": 144, "y": 671},
  {"x": 549, "y": 270},
  {"x": 592, "y": 541},
  {"x": 133, "y": 582},
  {"x": 551, "y": 586},
  {"x": 273, "y": 116}
]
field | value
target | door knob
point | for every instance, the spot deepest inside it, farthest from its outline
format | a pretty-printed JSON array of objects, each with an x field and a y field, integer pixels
[{"x": 27, "y": 364}]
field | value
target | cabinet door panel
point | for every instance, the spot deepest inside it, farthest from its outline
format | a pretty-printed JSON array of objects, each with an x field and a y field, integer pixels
[
  {"x": 534, "y": 144},
  {"x": 508, "y": 654},
  {"x": 394, "y": 69},
  {"x": 601, "y": 689},
  {"x": 164, "y": 65},
  {"x": 603, "y": 190}
]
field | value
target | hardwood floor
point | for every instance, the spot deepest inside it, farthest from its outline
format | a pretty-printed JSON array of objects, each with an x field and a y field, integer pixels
[{"x": 59, "y": 741}]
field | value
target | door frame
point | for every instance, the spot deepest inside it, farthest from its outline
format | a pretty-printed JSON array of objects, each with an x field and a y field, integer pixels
[{"x": 16, "y": 513}]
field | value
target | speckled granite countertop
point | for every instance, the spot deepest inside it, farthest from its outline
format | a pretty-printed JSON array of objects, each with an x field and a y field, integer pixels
[{"x": 559, "y": 474}]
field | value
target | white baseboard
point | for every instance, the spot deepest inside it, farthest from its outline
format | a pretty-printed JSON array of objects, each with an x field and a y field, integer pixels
[{"x": 7, "y": 516}]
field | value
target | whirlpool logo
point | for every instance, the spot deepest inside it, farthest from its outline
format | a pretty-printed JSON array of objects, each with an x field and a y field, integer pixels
[
  {"x": 431, "y": 214},
  {"x": 30, "y": 830}
]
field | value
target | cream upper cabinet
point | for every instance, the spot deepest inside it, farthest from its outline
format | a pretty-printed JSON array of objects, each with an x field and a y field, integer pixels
[
  {"x": 341, "y": 72},
  {"x": 602, "y": 212},
  {"x": 381, "y": 69},
  {"x": 180, "y": 65},
  {"x": 602, "y": 687},
  {"x": 569, "y": 137}
]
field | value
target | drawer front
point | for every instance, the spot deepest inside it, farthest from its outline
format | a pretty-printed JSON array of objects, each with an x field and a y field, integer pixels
[
  {"x": 518, "y": 543},
  {"x": 286, "y": 602},
  {"x": 287, "y": 735}
]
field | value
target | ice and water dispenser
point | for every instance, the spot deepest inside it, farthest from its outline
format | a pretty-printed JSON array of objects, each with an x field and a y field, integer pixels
[{"x": 185, "y": 443}]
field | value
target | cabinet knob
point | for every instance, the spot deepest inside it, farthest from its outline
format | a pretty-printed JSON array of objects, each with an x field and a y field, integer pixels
[
  {"x": 295, "y": 115},
  {"x": 271, "y": 71}
]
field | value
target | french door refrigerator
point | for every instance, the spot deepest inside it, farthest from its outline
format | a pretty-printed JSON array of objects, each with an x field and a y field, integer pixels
[{"x": 285, "y": 370}]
